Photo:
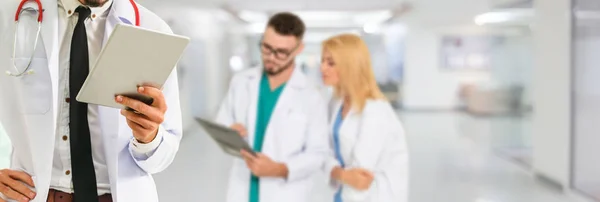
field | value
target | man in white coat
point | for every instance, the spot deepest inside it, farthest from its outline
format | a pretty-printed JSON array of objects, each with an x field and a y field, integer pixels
[
  {"x": 5, "y": 148},
  {"x": 282, "y": 115},
  {"x": 64, "y": 150}
]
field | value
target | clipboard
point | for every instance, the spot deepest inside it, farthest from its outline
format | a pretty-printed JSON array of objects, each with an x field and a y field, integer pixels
[
  {"x": 132, "y": 57},
  {"x": 228, "y": 139}
]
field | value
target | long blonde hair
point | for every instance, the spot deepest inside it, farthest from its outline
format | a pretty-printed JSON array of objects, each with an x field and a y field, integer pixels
[{"x": 353, "y": 64}]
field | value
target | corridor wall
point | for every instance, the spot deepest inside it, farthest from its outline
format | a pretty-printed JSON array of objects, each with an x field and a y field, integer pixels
[
  {"x": 586, "y": 99},
  {"x": 551, "y": 96}
]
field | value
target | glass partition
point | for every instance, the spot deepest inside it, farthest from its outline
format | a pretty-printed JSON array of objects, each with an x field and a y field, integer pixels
[{"x": 509, "y": 96}]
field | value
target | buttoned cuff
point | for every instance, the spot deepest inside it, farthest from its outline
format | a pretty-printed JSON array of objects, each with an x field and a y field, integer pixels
[{"x": 143, "y": 151}]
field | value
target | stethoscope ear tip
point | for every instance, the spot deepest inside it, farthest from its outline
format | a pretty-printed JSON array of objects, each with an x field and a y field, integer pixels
[{"x": 8, "y": 73}]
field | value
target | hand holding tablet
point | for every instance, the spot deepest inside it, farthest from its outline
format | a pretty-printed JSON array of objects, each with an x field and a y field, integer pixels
[
  {"x": 228, "y": 139},
  {"x": 144, "y": 119}
]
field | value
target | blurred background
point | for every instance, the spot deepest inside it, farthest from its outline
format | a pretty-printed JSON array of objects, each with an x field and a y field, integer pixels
[{"x": 500, "y": 98}]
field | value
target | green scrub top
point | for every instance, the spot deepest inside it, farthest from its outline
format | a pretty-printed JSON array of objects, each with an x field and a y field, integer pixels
[{"x": 267, "y": 99}]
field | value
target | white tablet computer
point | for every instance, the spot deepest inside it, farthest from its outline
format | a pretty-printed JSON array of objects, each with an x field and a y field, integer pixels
[{"x": 133, "y": 56}]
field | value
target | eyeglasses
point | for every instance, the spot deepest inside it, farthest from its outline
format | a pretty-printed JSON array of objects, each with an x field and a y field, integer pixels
[{"x": 280, "y": 54}]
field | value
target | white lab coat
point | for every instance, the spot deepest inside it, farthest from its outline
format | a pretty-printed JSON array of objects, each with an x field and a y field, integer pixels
[
  {"x": 372, "y": 140},
  {"x": 28, "y": 108},
  {"x": 296, "y": 135},
  {"x": 5, "y": 149}
]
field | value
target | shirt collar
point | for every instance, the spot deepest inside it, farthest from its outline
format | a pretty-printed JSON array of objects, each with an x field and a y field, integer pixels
[{"x": 70, "y": 6}]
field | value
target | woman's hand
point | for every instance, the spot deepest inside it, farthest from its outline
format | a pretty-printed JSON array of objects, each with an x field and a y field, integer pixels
[{"x": 357, "y": 178}]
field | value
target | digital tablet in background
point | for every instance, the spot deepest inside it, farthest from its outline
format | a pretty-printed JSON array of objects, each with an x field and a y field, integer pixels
[
  {"x": 132, "y": 57},
  {"x": 228, "y": 139}
]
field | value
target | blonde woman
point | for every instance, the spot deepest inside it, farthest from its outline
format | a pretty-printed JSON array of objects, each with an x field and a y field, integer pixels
[{"x": 370, "y": 161}]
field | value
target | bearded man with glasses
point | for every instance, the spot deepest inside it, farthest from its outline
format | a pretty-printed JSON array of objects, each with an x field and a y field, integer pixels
[{"x": 282, "y": 116}]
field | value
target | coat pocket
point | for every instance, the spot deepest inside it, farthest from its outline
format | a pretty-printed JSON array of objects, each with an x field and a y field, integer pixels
[
  {"x": 34, "y": 90},
  {"x": 293, "y": 134}
]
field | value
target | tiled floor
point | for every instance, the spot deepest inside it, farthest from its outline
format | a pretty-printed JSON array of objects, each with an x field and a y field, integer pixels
[
  {"x": 591, "y": 191},
  {"x": 452, "y": 160}
]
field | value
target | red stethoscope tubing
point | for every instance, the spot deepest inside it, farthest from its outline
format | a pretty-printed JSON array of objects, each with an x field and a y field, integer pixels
[
  {"x": 136, "y": 11},
  {"x": 41, "y": 14}
]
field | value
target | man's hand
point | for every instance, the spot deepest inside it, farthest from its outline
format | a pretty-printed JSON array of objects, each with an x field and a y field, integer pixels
[
  {"x": 263, "y": 166},
  {"x": 240, "y": 129},
  {"x": 12, "y": 185},
  {"x": 145, "y": 120},
  {"x": 357, "y": 178}
]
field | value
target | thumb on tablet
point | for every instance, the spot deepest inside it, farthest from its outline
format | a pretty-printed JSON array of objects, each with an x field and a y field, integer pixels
[{"x": 240, "y": 129}]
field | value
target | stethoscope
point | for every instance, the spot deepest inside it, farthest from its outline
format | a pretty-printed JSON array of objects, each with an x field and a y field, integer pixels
[{"x": 40, "y": 18}]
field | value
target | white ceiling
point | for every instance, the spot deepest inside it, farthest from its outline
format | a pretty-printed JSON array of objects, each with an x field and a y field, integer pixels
[
  {"x": 428, "y": 11},
  {"x": 422, "y": 13},
  {"x": 346, "y": 5},
  {"x": 279, "y": 5},
  {"x": 325, "y": 19}
]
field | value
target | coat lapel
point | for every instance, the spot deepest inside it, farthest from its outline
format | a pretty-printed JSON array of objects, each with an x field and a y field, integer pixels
[
  {"x": 253, "y": 88},
  {"x": 334, "y": 109},
  {"x": 120, "y": 13},
  {"x": 109, "y": 120},
  {"x": 282, "y": 109},
  {"x": 296, "y": 83},
  {"x": 49, "y": 37}
]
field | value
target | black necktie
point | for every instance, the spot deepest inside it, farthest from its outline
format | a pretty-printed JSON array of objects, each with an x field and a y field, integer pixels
[{"x": 83, "y": 172}]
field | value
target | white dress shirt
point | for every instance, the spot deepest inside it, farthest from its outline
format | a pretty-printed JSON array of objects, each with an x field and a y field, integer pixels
[{"x": 61, "y": 169}]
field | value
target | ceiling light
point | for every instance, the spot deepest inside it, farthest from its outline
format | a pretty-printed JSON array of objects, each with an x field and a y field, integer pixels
[
  {"x": 373, "y": 17},
  {"x": 323, "y": 15},
  {"x": 236, "y": 63},
  {"x": 369, "y": 20},
  {"x": 320, "y": 36},
  {"x": 503, "y": 16},
  {"x": 372, "y": 28},
  {"x": 257, "y": 28},
  {"x": 492, "y": 17},
  {"x": 253, "y": 16}
]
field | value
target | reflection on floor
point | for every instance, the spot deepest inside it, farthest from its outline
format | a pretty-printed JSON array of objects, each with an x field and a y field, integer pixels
[
  {"x": 520, "y": 155},
  {"x": 591, "y": 191},
  {"x": 452, "y": 160},
  {"x": 512, "y": 136}
]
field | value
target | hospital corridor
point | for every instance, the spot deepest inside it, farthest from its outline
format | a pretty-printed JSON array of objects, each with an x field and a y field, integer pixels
[
  {"x": 455, "y": 161},
  {"x": 300, "y": 100}
]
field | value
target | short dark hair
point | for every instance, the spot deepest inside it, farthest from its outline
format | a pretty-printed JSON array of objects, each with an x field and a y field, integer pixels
[{"x": 287, "y": 24}]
